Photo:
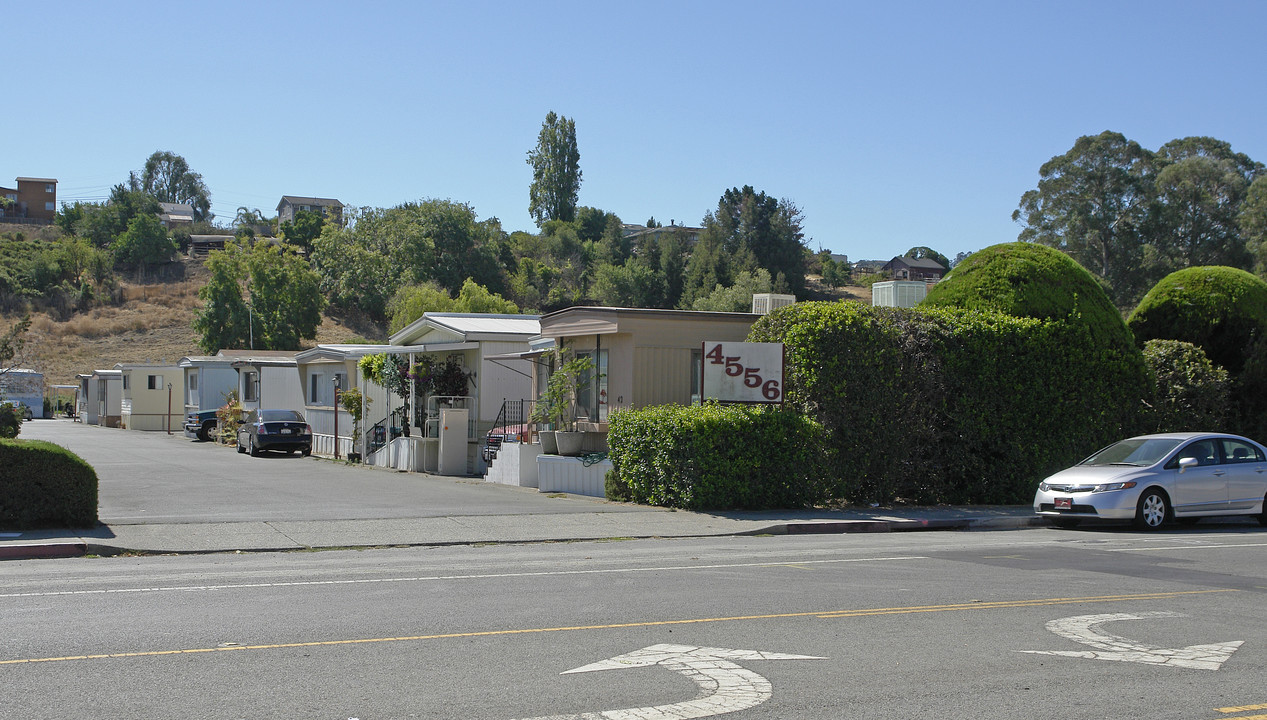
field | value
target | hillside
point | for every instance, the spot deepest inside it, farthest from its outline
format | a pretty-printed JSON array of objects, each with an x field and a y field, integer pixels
[{"x": 151, "y": 325}]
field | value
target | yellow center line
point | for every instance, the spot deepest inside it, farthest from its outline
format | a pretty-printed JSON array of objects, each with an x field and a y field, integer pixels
[
  {"x": 1243, "y": 708},
  {"x": 828, "y": 614}
]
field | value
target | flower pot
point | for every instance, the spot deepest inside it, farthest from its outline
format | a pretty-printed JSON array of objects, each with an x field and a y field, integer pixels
[
  {"x": 569, "y": 442},
  {"x": 548, "y": 446}
]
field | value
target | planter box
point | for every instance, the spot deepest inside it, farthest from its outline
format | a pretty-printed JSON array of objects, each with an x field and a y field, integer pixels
[{"x": 569, "y": 443}]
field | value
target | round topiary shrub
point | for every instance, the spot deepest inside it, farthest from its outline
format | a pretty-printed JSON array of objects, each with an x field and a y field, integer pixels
[
  {"x": 1221, "y": 310},
  {"x": 1035, "y": 281},
  {"x": 1190, "y": 392}
]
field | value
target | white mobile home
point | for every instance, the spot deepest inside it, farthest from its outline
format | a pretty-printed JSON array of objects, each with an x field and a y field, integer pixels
[
  {"x": 105, "y": 397},
  {"x": 410, "y": 433},
  {"x": 23, "y": 386},
  {"x": 152, "y": 397},
  {"x": 211, "y": 379},
  {"x": 269, "y": 381}
]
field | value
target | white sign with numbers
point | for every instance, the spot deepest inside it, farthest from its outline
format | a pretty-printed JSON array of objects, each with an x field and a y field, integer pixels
[{"x": 743, "y": 372}]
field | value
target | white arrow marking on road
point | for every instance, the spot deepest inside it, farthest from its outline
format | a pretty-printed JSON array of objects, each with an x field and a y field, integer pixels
[
  {"x": 1082, "y": 628},
  {"x": 725, "y": 687}
]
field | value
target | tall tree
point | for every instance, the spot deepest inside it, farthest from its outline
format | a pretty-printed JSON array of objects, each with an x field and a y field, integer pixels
[
  {"x": 224, "y": 320},
  {"x": 749, "y": 230},
  {"x": 1253, "y": 222},
  {"x": 144, "y": 243},
  {"x": 285, "y": 298},
  {"x": 1199, "y": 199},
  {"x": 284, "y": 305},
  {"x": 1092, "y": 203},
  {"x": 556, "y": 171},
  {"x": 167, "y": 177}
]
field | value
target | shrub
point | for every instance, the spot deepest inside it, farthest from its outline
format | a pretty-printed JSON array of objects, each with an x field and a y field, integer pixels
[
  {"x": 716, "y": 457},
  {"x": 45, "y": 485},
  {"x": 1222, "y": 310},
  {"x": 10, "y": 420},
  {"x": 1034, "y": 281},
  {"x": 1190, "y": 392},
  {"x": 953, "y": 406}
]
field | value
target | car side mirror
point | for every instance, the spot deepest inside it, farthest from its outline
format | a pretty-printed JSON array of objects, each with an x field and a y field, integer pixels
[{"x": 1185, "y": 463}]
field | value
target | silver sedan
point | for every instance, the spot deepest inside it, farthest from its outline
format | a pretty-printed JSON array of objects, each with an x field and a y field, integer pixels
[{"x": 1154, "y": 479}]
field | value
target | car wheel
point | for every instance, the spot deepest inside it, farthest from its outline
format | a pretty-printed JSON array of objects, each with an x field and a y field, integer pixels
[
  {"x": 204, "y": 433},
  {"x": 1152, "y": 511},
  {"x": 306, "y": 451},
  {"x": 1066, "y": 522},
  {"x": 250, "y": 447},
  {"x": 238, "y": 443}
]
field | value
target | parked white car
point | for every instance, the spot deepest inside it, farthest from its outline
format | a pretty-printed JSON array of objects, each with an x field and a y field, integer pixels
[{"x": 1154, "y": 479}]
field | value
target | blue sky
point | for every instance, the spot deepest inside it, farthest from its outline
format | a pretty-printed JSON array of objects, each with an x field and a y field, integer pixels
[{"x": 890, "y": 125}]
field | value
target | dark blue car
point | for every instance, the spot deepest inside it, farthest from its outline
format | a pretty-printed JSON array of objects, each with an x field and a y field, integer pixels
[{"x": 284, "y": 430}]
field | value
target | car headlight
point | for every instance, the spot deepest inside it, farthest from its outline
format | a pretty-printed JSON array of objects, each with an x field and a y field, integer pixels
[
  {"x": 1043, "y": 486},
  {"x": 1107, "y": 487}
]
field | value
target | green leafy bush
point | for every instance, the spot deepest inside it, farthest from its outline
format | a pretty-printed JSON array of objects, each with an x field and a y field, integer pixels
[
  {"x": 10, "y": 420},
  {"x": 1222, "y": 310},
  {"x": 716, "y": 457},
  {"x": 944, "y": 405},
  {"x": 1191, "y": 393},
  {"x": 1034, "y": 281},
  {"x": 45, "y": 485}
]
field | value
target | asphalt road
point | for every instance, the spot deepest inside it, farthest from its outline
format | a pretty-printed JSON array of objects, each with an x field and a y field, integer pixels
[
  {"x": 934, "y": 625},
  {"x": 159, "y": 478}
]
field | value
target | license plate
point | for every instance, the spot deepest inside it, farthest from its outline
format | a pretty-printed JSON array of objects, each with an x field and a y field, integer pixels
[
  {"x": 1064, "y": 503},
  {"x": 285, "y": 431}
]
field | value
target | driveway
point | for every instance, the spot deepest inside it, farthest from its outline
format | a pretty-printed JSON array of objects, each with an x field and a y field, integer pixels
[{"x": 148, "y": 477}]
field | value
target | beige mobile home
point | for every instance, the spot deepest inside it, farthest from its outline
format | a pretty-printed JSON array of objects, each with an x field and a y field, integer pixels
[{"x": 152, "y": 397}]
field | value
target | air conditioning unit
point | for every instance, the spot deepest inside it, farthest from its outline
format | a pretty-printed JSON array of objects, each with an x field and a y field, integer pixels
[{"x": 766, "y": 303}]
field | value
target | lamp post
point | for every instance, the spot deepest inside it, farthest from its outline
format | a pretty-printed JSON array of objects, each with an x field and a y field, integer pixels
[
  {"x": 336, "y": 417},
  {"x": 169, "y": 408}
]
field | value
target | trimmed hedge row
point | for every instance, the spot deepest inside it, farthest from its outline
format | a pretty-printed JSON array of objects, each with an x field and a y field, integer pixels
[
  {"x": 944, "y": 405},
  {"x": 1222, "y": 310},
  {"x": 45, "y": 485},
  {"x": 716, "y": 457},
  {"x": 1191, "y": 393}
]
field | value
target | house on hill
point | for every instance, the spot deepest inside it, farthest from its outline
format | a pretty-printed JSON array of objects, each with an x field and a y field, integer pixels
[
  {"x": 905, "y": 268},
  {"x": 34, "y": 200},
  {"x": 328, "y": 208}
]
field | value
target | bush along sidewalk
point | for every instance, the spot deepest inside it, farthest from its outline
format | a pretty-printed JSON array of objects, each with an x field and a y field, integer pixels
[
  {"x": 45, "y": 485},
  {"x": 716, "y": 457}
]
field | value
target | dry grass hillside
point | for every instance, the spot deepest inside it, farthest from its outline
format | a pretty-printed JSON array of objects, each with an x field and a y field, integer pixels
[{"x": 151, "y": 325}]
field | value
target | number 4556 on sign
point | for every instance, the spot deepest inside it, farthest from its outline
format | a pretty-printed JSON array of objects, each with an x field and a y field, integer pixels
[{"x": 743, "y": 372}]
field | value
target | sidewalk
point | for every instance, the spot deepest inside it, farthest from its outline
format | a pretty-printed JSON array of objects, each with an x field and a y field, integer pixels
[{"x": 173, "y": 538}]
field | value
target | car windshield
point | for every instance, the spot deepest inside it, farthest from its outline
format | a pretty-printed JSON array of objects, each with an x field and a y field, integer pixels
[
  {"x": 280, "y": 416},
  {"x": 1136, "y": 451}
]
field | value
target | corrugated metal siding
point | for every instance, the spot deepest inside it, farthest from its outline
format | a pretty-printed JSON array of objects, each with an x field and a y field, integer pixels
[{"x": 661, "y": 375}]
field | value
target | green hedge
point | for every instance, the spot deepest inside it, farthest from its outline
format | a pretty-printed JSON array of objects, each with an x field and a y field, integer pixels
[
  {"x": 45, "y": 485},
  {"x": 1191, "y": 393},
  {"x": 716, "y": 457},
  {"x": 1222, "y": 310},
  {"x": 945, "y": 405},
  {"x": 1035, "y": 281}
]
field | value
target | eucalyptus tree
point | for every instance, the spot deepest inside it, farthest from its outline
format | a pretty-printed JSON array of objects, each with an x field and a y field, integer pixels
[
  {"x": 1093, "y": 204},
  {"x": 168, "y": 178}
]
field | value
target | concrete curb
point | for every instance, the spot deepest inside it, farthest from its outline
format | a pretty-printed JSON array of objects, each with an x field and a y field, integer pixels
[{"x": 40, "y": 551}]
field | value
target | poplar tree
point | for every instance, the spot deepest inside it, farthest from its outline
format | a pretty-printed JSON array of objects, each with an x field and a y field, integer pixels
[{"x": 556, "y": 171}]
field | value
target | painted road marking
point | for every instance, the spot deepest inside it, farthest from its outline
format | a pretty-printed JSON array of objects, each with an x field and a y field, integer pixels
[
  {"x": 435, "y": 578},
  {"x": 725, "y": 686},
  {"x": 1241, "y": 708},
  {"x": 1082, "y": 629},
  {"x": 821, "y": 614}
]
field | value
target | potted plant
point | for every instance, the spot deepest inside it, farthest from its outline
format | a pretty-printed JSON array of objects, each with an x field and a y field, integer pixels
[{"x": 561, "y": 390}]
